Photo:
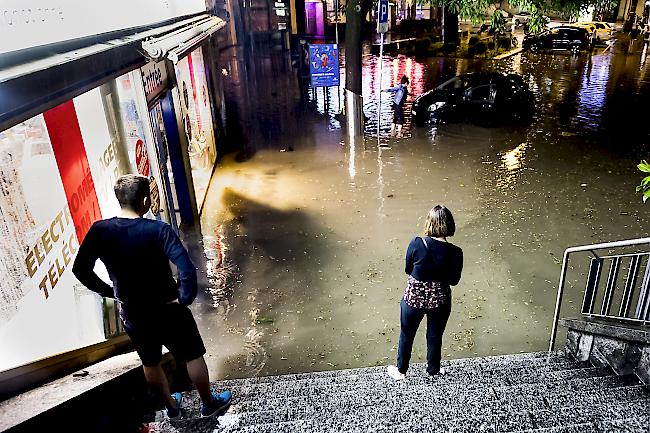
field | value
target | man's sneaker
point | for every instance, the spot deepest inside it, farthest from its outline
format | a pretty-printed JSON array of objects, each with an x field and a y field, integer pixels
[
  {"x": 440, "y": 372},
  {"x": 394, "y": 373},
  {"x": 175, "y": 412},
  {"x": 220, "y": 404}
]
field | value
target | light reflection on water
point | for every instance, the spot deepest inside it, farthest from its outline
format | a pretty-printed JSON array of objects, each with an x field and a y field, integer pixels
[{"x": 317, "y": 236}]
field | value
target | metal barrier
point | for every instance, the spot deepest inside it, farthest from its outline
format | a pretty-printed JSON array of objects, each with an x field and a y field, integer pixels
[{"x": 635, "y": 263}]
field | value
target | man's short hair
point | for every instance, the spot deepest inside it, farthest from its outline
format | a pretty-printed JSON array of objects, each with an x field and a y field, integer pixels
[
  {"x": 131, "y": 190},
  {"x": 404, "y": 80}
]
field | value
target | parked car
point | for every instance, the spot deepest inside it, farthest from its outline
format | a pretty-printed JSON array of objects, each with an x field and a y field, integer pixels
[
  {"x": 568, "y": 38},
  {"x": 483, "y": 97},
  {"x": 603, "y": 30}
]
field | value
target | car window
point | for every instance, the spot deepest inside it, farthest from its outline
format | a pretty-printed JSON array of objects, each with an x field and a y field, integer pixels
[
  {"x": 455, "y": 83},
  {"x": 480, "y": 93},
  {"x": 560, "y": 33},
  {"x": 600, "y": 26}
]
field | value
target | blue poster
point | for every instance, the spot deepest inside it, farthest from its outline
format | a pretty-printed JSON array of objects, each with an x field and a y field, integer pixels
[{"x": 324, "y": 65}]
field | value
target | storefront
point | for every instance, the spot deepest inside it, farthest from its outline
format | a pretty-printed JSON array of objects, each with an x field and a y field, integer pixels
[
  {"x": 197, "y": 120},
  {"x": 68, "y": 129}
]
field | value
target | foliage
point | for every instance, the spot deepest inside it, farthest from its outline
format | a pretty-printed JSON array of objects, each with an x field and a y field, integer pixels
[
  {"x": 475, "y": 10},
  {"x": 498, "y": 22},
  {"x": 645, "y": 183}
]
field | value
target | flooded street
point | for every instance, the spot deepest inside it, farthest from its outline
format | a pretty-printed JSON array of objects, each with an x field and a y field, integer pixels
[{"x": 305, "y": 232}]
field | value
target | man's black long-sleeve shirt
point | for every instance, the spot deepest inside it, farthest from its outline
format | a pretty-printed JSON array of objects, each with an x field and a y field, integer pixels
[{"x": 136, "y": 253}]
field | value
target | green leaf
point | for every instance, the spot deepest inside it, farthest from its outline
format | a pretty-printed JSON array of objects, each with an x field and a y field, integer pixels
[
  {"x": 644, "y": 167},
  {"x": 646, "y": 195}
]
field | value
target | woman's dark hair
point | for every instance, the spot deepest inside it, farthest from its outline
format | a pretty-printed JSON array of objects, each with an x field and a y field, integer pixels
[
  {"x": 440, "y": 223},
  {"x": 131, "y": 190},
  {"x": 404, "y": 80}
]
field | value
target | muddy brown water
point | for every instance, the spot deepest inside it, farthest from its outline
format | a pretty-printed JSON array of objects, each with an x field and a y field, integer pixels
[{"x": 306, "y": 248}]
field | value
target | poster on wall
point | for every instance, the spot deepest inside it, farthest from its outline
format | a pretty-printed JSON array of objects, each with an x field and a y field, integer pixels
[
  {"x": 43, "y": 216},
  {"x": 197, "y": 120},
  {"x": 324, "y": 65},
  {"x": 57, "y": 172}
]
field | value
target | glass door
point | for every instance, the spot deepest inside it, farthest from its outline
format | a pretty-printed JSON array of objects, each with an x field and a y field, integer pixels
[{"x": 166, "y": 172}]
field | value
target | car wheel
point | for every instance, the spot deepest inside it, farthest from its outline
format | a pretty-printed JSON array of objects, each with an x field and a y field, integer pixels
[
  {"x": 575, "y": 49},
  {"x": 534, "y": 48},
  {"x": 517, "y": 23},
  {"x": 514, "y": 42}
]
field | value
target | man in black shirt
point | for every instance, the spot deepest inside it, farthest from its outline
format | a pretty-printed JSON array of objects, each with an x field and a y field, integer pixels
[{"x": 153, "y": 308}]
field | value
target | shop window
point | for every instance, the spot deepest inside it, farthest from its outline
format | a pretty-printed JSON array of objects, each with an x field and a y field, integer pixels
[{"x": 197, "y": 120}]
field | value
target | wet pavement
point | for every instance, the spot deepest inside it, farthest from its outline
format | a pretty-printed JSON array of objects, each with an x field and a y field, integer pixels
[{"x": 305, "y": 232}]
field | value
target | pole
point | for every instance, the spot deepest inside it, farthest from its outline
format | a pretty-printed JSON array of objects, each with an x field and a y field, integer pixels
[
  {"x": 336, "y": 25},
  {"x": 381, "y": 68}
]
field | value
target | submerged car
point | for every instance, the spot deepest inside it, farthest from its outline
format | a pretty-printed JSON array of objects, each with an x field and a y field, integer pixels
[
  {"x": 563, "y": 38},
  {"x": 483, "y": 97}
]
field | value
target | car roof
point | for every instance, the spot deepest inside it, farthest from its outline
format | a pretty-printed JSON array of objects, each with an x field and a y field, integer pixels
[
  {"x": 573, "y": 27},
  {"x": 477, "y": 77}
]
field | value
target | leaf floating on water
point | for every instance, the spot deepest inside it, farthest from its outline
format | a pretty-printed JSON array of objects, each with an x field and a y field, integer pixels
[{"x": 264, "y": 320}]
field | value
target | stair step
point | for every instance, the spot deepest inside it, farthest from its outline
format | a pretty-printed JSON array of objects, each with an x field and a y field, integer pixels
[
  {"x": 589, "y": 413},
  {"x": 637, "y": 424},
  {"x": 415, "y": 421},
  {"x": 364, "y": 410},
  {"x": 450, "y": 395},
  {"x": 381, "y": 382},
  {"x": 464, "y": 373},
  {"x": 527, "y": 360}
]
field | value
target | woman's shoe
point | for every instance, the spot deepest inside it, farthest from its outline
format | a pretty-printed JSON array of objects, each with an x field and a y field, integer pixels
[
  {"x": 394, "y": 373},
  {"x": 440, "y": 372}
]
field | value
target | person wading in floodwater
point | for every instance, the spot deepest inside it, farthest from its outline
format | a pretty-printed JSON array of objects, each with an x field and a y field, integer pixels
[
  {"x": 433, "y": 265},
  {"x": 153, "y": 308},
  {"x": 401, "y": 92}
]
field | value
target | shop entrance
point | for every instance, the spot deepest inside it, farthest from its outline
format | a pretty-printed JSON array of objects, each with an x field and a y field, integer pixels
[{"x": 164, "y": 162}]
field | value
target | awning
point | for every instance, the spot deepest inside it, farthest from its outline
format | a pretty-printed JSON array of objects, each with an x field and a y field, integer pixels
[
  {"x": 34, "y": 85},
  {"x": 177, "y": 44}
]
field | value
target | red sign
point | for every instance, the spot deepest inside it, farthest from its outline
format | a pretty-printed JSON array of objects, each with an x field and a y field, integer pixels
[
  {"x": 72, "y": 161},
  {"x": 141, "y": 158}
]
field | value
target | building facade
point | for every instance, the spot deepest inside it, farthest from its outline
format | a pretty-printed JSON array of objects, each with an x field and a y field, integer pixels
[{"x": 88, "y": 94}]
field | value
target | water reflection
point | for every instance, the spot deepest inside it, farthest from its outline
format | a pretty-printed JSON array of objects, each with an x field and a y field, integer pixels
[
  {"x": 315, "y": 238},
  {"x": 512, "y": 163}
]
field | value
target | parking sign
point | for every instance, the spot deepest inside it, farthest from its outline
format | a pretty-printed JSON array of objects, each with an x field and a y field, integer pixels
[{"x": 382, "y": 16}]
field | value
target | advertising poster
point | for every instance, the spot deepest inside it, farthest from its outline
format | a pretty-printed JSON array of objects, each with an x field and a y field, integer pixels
[
  {"x": 324, "y": 65},
  {"x": 197, "y": 119},
  {"x": 57, "y": 172}
]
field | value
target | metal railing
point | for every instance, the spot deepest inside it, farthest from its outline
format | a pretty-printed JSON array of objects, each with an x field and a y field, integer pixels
[{"x": 634, "y": 261}]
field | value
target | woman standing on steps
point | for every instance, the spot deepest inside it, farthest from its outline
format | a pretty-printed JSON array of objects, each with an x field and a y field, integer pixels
[{"x": 433, "y": 265}]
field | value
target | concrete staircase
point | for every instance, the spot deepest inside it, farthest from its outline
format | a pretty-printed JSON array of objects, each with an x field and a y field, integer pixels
[{"x": 511, "y": 393}]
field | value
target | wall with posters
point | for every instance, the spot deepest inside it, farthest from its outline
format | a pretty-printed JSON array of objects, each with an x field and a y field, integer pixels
[
  {"x": 197, "y": 120},
  {"x": 57, "y": 172}
]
